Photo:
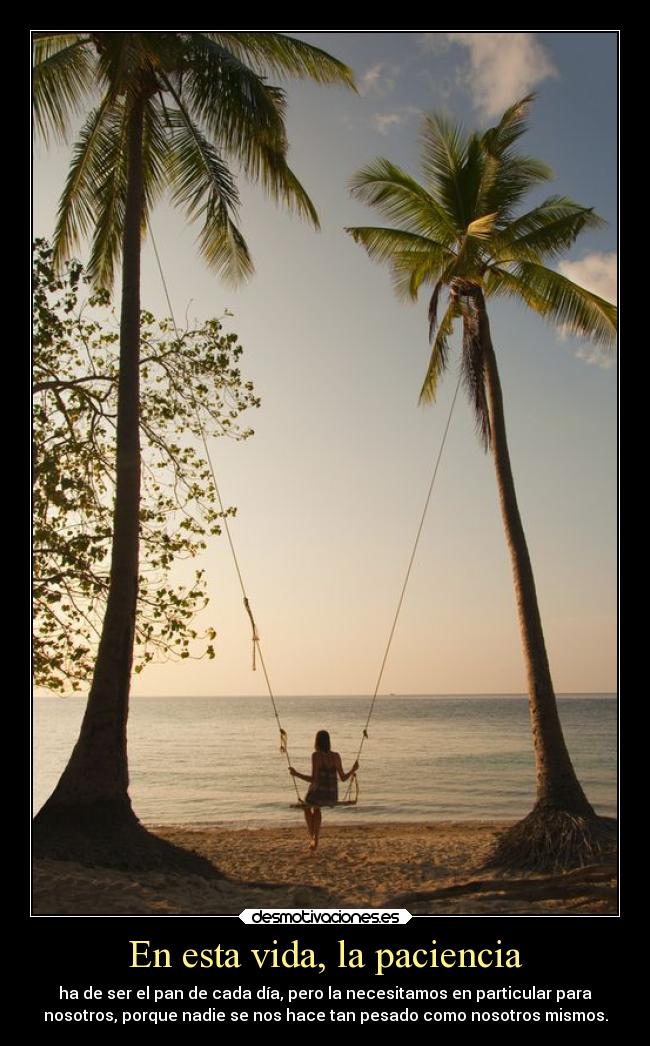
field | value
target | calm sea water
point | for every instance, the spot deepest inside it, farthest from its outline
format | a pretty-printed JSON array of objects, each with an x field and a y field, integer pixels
[{"x": 200, "y": 759}]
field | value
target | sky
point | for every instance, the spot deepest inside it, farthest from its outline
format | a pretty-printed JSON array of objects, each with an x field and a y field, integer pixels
[{"x": 330, "y": 489}]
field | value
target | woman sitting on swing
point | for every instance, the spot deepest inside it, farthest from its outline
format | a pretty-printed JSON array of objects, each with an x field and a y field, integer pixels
[{"x": 326, "y": 767}]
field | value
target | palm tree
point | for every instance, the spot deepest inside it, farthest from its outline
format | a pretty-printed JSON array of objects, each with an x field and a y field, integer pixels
[
  {"x": 461, "y": 230},
  {"x": 171, "y": 109}
]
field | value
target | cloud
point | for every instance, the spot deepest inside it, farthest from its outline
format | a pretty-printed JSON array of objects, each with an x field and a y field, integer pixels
[
  {"x": 383, "y": 122},
  {"x": 596, "y": 272},
  {"x": 597, "y": 356},
  {"x": 503, "y": 67},
  {"x": 379, "y": 80},
  {"x": 436, "y": 42}
]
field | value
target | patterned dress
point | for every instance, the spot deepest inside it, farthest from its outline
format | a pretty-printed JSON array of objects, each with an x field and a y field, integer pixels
[{"x": 323, "y": 791}]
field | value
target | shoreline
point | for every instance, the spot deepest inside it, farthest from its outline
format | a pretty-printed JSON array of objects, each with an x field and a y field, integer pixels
[{"x": 429, "y": 867}]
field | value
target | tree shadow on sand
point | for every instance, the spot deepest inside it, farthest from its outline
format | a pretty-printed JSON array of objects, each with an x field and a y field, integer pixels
[{"x": 592, "y": 889}]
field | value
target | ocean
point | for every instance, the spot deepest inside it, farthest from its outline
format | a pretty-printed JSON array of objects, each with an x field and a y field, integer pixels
[{"x": 214, "y": 760}]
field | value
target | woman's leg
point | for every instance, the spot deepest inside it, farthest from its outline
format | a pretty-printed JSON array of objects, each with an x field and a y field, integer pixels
[
  {"x": 310, "y": 820},
  {"x": 318, "y": 817}
]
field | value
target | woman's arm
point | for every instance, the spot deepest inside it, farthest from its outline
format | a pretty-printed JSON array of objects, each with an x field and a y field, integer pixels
[
  {"x": 339, "y": 766},
  {"x": 303, "y": 777}
]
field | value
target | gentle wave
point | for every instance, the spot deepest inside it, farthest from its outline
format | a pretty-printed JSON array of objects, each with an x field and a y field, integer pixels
[{"x": 205, "y": 760}]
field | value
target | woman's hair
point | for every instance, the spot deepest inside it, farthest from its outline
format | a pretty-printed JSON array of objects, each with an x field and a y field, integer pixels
[{"x": 322, "y": 742}]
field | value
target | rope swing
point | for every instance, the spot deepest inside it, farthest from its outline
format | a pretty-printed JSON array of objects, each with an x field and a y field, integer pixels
[{"x": 351, "y": 797}]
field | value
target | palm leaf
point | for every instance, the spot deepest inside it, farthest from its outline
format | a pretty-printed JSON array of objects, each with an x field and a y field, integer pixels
[
  {"x": 232, "y": 101},
  {"x": 499, "y": 282},
  {"x": 473, "y": 372},
  {"x": 411, "y": 269},
  {"x": 110, "y": 195},
  {"x": 62, "y": 80},
  {"x": 439, "y": 354},
  {"x": 247, "y": 117},
  {"x": 511, "y": 126},
  {"x": 481, "y": 228},
  {"x": 122, "y": 62},
  {"x": 76, "y": 214},
  {"x": 433, "y": 308},
  {"x": 277, "y": 179},
  {"x": 544, "y": 232},
  {"x": 583, "y": 313},
  {"x": 284, "y": 55},
  {"x": 382, "y": 244},
  {"x": 156, "y": 156},
  {"x": 444, "y": 152},
  {"x": 51, "y": 40},
  {"x": 402, "y": 199},
  {"x": 507, "y": 184},
  {"x": 203, "y": 184},
  {"x": 413, "y": 259}
]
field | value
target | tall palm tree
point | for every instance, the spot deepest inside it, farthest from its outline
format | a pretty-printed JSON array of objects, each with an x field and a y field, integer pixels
[
  {"x": 171, "y": 110},
  {"x": 463, "y": 230}
]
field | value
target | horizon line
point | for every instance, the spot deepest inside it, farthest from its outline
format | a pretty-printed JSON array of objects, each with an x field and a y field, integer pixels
[{"x": 459, "y": 693}]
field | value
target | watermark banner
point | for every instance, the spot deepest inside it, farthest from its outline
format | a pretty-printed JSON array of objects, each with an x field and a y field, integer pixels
[{"x": 326, "y": 916}]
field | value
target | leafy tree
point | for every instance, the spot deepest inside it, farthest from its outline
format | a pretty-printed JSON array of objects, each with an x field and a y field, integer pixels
[
  {"x": 173, "y": 108},
  {"x": 463, "y": 231},
  {"x": 190, "y": 386}
]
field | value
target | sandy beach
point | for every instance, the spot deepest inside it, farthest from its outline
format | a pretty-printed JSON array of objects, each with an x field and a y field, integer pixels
[{"x": 432, "y": 867}]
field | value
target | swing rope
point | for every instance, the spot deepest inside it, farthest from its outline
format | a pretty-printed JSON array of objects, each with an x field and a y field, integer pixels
[
  {"x": 257, "y": 646},
  {"x": 364, "y": 733}
]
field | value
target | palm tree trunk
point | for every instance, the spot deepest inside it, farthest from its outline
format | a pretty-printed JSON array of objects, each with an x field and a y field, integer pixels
[
  {"x": 557, "y": 784},
  {"x": 97, "y": 772},
  {"x": 562, "y": 830}
]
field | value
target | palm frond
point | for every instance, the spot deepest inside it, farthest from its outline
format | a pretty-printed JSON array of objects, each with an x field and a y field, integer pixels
[
  {"x": 285, "y": 56},
  {"x": 443, "y": 147},
  {"x": 506, "y": 184},
  {"x": 433, "y": 309},
  {"x": 62, "y": 82},
  {"x": 110, "y": 195},
  {"x": 246, "y": 115},
  {"x": 500, "y": 282},
  {"x": 557, "y": 299},
  {"x": 76, "y": 213},
  {"x": 122, "y": 62},
  {"x": 544, "y": 232},
  {"x": 481, "y": 228},
  {"x": 233, "y": 102},
  {"x": 473, "y": 372},
  {"x": 156, "y": 155},
  {"x": 273, "y": 173},
  {"x": 222, "y": 244},
  {"x": 439, "y": 354},
  {"x": 511, "y": 126},
  {"x": 258, "y": 143},
  {"x": 413, "y": 259},
  {"x": 444, "y": 154},
  {"x": 49, "y": 39},
  {"x": 548, "y": 241},
  {"x": 581, "y": 312},
  {"x": 383, "y": 244},
  {"x": 411, "y": 270},
  {"x": 202, "y": 183},
  {"x": 402, "y": 199},
  {"x": 508, "y": 176},
  {"x": 470, "y": 180}
]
